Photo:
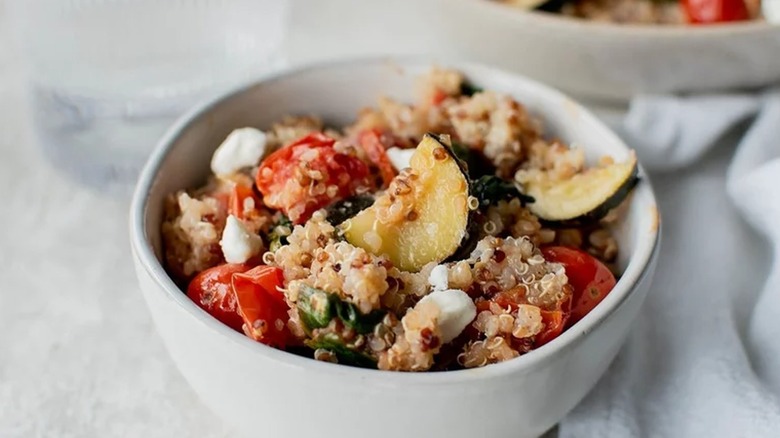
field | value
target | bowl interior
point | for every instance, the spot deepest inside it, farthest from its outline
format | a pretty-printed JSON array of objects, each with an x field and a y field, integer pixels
[{"x": 336, "y": 92}]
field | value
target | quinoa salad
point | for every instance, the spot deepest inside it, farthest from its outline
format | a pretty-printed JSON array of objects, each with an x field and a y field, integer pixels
[
  {"x": 670, "y": 12},
  {"x": 446, "y": 234}
]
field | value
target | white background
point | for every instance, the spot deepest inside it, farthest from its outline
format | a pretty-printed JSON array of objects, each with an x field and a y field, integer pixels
[{"x": 78, "y": 354}]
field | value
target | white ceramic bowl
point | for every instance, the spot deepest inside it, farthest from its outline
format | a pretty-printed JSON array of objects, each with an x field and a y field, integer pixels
[
  {"x": 266, "y": 392},
  {"x": 609, "y": 62}
]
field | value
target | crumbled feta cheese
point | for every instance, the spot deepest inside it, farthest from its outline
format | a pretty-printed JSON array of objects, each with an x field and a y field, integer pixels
[
  {"x": 457, "y": 311},
  {"x": 242, "y": 148},
  {"x": 400, "y": 157},
  {"x": 438, "y": 278},
  {"x": 238, "y": 244}
]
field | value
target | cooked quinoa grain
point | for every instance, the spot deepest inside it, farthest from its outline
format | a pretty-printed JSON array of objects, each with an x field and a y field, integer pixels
[{"x": 191, "y": 233}]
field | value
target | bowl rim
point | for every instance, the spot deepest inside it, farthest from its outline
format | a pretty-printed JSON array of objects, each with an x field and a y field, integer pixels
[
  {"x": 641, "y": 30},
  {"x": 636, "y": 270}
]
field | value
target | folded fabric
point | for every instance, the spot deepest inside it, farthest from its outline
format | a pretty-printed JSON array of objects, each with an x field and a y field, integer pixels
[{"x": 703, "y": 359}]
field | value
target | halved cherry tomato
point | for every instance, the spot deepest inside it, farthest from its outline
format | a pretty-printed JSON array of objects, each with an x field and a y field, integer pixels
[
  {"x": 372, "y": 143},
  {"x": 286, "y": 178},
  {"x": 262, "y": 306},
  {"x": 212, "y": 291},
  {"x": 238, "y": 197},
  {"x": 554, "y": 323},
  {"x": 506, "y": 299},
  {"x": 591, "y": 280},
  {"x": 554, "y": 318},
  {"x": 715, "y": 11},
  {"x": 223, "y": 200},
  {"x": 438, "y": 97}
]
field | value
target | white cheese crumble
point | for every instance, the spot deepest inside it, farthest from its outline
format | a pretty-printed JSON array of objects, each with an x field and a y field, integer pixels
[
  {"x": 438, "y": 278},
  {"x": 242, "y": 148},
  {"x": 238, "y": 244},
  {"x": 400, "y": 158},
  {"x": 457, "y": 311}
]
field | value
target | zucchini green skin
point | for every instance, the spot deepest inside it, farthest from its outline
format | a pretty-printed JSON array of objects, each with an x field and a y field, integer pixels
[
  {"x": 348, "y": 208},
  {"x": 475, "y": 162},
  {"x": 605, "y": 207},
  {"x": 469, "y": 89},
  {"x": 360, "y": 322},
  {"x": 331, "y": 306},
  {"x": 344, "y": 354},
  {"x": 313, "y": 316},
  {"x": 551, "y": 6},
  {"x": 490, "y": 189},
  {"x": 276, "y": 237},
  {"x": 470, "y": 240}
]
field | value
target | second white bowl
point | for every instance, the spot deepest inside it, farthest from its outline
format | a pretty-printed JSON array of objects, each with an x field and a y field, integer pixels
[{"x": 609, "y": 62}]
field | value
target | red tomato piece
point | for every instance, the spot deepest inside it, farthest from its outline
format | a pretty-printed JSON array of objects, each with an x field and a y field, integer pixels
[
  {"x": 554, "y": 319},
  {"x": 309, "y": 174},
  {"x": 554, "y": 323},
  {"x": 223, "y": 200},
  {"x": 237, "y": 202},
  {"x": 211, "y": 290},
  {"x": 375, "y": 144},
  {"x": 262, "y": 306},
  {"x": 507, "y": 299},
  {"x": 591, "y": 280},
  {"x": 715, "y": 11},
  {"x": 438, "y": 97}
]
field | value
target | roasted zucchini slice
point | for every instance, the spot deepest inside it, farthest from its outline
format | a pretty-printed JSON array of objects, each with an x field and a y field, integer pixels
[
  {"x": 436, "y": 187},
  {"x": 586, "y": 197}
]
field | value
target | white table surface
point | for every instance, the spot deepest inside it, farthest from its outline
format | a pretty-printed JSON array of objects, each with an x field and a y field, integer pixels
[{"x": 79, "y": 356}]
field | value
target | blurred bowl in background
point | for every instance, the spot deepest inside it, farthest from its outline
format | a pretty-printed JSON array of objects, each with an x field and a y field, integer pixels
[{"x": 609, "y": 62}]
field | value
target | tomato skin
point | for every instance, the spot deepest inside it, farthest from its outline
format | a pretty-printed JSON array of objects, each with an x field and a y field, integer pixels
[
  {"x": 507, "y": 299},
  {"x": 438, "y": 97},
  {"x": 284, "y": 187},
  {"x": 591, "y": 280},
  {"x": 211, "y": 290},
  {"x": 715, "y": 11},
  {"x": 554, "y": 319},
  {"x": 261, "y": 305},
  {"x": 554, "y": 323},
  {"x": 238, "y": 195},
  {"x": 238, "y": 296},
  {"x": 371, "y": 141}
]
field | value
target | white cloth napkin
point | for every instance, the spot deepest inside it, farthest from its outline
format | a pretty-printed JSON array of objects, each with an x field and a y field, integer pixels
[{"x": 703, "y": 359}]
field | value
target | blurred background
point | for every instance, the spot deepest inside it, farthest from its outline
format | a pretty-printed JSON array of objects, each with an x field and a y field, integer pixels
[
  {"x": 98, "y": 81},
  {"x": 102, "y": 80}
]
